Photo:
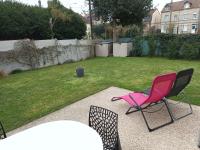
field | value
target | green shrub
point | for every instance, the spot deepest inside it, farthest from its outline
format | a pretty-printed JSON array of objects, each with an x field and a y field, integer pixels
[
  {"x": 169, "y": 45},
  {"x": 16, "y": 71},
  {"x": 173, "y": 50},
  {"x": 99, "y": 31},
  {"x": 189, "y": 51},
  {"x": 137, "y": 46},
  {"x": 20, "y": 21},
  {"x": 152, "y": 46}
]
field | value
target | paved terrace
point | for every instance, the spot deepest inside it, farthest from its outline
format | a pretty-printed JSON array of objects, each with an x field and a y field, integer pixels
[{"x": 181, "y": 135}]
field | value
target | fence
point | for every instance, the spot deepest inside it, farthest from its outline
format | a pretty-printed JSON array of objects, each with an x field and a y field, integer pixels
[{"x": 53, "y": 52}]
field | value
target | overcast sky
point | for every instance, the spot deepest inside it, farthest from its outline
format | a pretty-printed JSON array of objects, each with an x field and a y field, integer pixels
[{"x": 80, "y": 5}]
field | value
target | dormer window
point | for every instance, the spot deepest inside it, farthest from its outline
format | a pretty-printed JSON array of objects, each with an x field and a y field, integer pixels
[
  {"x": 187, "y": 5},
  {"x": 167, "y": 8}
]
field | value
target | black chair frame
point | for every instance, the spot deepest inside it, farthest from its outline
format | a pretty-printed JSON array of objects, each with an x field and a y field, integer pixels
[
  {"x": 2, "y": 133},
  {"x": 142, "y": 110},
  {"x": 105, "y": 122}
]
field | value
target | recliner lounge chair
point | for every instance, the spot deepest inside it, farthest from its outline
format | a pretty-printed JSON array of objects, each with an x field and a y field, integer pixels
[
  {"x": 139, "y": 101},
  {"x": 183, "y": 78}
]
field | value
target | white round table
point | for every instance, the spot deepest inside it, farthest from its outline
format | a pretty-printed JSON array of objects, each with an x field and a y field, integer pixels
[{"x": 58, "y": 135}]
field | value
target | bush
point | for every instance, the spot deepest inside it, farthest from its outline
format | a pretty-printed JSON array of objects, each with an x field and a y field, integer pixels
[
  {"x": 137, "y": 46},
  {"x": 173, "y": 50},
  {"x": 169, "y": 45},
  {"x": 20, "y": 21},
  {"x": 152, "y": 46},
  {"x": 99, "y": 31},
  {"x": 16, "y": 71},
  {"x": 189, "y": 51},
  {"x": 2, "y": 74}
]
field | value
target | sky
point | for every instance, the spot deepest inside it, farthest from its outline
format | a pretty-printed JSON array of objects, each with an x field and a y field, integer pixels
[{"x": 80, "y": 6}]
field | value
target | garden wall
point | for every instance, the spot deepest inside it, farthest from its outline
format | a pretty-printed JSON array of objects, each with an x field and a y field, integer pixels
[{"x": 53, "y": 52}]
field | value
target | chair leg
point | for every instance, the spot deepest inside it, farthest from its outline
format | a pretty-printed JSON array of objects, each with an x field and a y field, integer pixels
[
  {"x": 152, "y": 129},
  {"x": 2, "y": 128},
  {"x": 137, "y": 108},
  {"x": 118, "y": 144},
  {"x": 177, "y": 118},
  {"x": 115, "y": 99},
  {"x": 129, "y": 111}
]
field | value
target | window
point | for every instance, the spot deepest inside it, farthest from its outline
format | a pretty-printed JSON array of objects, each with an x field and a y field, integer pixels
[
  {"x": 164, "y": 29},
  {"x": 194, "y": 28},
  {"x": 195, "y": 16},
  {"x": 185, "y": 28},
  {"x": 187, "y": 5},
  {"x": 175, "y": 29},
  {"x": 175, "y": 18},
  {"x": 166, "y": 18},
  {"x": 185, "y": 16},
  {"x": 167, "y": 8}
]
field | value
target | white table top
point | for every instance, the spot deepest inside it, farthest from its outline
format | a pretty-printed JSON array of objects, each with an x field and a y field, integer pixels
[{"x": 58, "y": 135}]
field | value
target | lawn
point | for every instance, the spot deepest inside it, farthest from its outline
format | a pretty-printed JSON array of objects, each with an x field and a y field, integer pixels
[{"x": 32, "y": 94}]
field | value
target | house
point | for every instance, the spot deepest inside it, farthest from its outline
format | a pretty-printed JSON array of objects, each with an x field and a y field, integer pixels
[
  {"x": 86, "y": 18},
  {"x": 152, "y": 21},
  {"x": 182, "y": 17}
]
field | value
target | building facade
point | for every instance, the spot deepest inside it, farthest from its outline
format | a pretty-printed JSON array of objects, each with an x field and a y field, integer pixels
[
  {"x": 152, "y": 21},
  {"x": 182, "y": 17}
]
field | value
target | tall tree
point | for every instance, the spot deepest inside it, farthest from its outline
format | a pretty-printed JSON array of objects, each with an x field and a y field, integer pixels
[
  {"x": 122, "y": 12},
  {"x": 19, "y": 21}
]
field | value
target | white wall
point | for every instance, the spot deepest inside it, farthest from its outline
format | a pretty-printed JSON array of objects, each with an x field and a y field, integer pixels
[
  {"x": 7, "y": 45},
  {"x": 69, "y": 50}
]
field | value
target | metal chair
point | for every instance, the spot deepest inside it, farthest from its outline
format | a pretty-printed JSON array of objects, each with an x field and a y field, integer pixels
[
  {"x": 139, "y": 101},
  {"x": 2, "y": 132},
  {"x": 183, "y": 78},
  {"x": 105, "y": 122}
]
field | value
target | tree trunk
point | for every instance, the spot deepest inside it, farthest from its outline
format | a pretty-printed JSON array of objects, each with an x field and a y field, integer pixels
[{"x": 115, "y": 34}]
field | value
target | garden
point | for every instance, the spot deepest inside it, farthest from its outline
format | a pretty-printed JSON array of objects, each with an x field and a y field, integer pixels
[{"x": 30, "y": 95}]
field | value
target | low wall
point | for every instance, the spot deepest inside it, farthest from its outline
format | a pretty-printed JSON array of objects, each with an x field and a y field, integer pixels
[{"x": 56, "y": 52}]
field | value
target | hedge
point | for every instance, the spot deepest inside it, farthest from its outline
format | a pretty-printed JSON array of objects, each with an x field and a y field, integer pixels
[{"x": 168, "y": 45}]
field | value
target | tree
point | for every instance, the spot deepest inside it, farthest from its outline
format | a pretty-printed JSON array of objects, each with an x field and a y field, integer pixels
[
  {"x": 56, "y": 11},
  {"x": 20, "y": 21},
  {"x": 121, "y": 12},
  {"x": 65, "y": 22}
]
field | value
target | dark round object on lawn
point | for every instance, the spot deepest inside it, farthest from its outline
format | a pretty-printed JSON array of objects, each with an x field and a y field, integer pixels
[{"x": 80, "y": 72}]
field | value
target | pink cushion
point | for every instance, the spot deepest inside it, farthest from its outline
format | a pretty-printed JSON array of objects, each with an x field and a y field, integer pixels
[{"x": 140, "y": 98}]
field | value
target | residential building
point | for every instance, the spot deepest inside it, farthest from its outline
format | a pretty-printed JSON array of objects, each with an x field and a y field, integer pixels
[
  {"x": 86, "y": 18},
  {"x": 182, "y": 17},
  {"x": 152, "y": 21}
]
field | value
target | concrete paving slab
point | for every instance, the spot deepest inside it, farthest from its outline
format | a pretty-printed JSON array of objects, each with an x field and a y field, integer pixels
[{"x": 134, "y": 135}]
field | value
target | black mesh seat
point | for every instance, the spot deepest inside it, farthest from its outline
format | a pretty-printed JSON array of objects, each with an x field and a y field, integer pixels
[
  {"x": 183, "y": 78},
  {"x": 2, "y": 132},
  {"x": 105, "y": 122}
]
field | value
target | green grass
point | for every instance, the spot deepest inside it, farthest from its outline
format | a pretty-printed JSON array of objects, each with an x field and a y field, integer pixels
[{"x": 33, "y": 94}]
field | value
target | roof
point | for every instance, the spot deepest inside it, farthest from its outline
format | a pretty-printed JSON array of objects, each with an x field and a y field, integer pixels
[
  {"x": 149, "y": 16},
  {"x": 177, "y": 6}
]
